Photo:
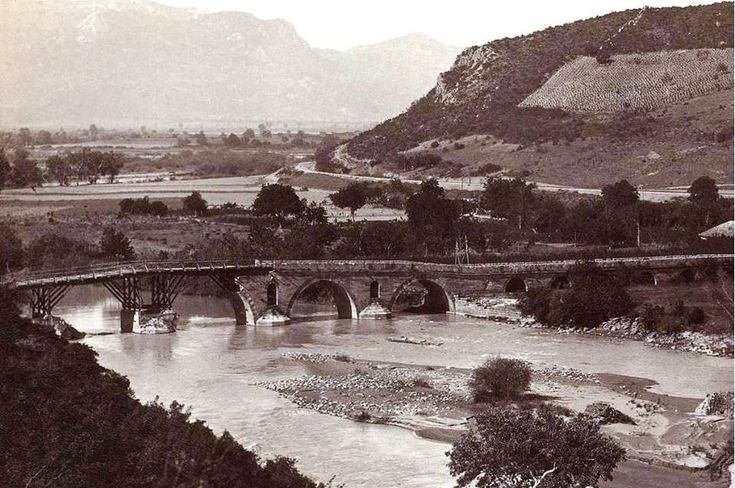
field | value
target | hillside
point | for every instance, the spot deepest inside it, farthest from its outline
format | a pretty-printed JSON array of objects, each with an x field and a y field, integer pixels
[
  {"x": 534, "y": 104},
  {"x": 134, "y": 62}
]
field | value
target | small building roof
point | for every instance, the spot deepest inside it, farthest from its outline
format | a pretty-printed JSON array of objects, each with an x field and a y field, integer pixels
[{"x": 723, "y": 230}]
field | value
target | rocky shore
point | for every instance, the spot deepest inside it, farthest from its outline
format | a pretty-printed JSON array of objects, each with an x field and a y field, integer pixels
[
  {"x": 506, "y": 310},
  {"x": 434, "y": 402}
]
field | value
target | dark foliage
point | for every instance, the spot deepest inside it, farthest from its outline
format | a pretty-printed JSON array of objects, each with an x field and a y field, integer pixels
[
  {"x": 518, "y": 447},
  {"x": 142, "y": 206},
  {"x": 593, "y": 298},
  {"x": 67, "y": 422},
  {"x": 114, "y": 244},
  {"x": 11, "y": 250},
  {"x": 54, "y": 250},
  {"x": 195, "y": 204},
  {"x": 500, "y": 379}
]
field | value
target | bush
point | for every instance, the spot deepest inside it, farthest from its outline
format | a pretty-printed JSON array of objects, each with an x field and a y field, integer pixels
[
  {"x": 593, "y": 299},
  {"x": 500, "y": 379},
  {"x": 509, "y": 447}
]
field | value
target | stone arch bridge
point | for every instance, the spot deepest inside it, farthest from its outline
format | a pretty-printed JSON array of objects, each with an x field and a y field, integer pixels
[{"x": 265, "y": 292}]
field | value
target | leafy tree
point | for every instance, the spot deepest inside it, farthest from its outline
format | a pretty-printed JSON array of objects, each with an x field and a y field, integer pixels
[
  {"x": 593, "y": 298},
  {"x": 25, "y": 170},
  {"x": 201, "y": 139},
  {"x": 703, "y": 191},
  {"x": 232, "y": 140},
  {"x": 52, "y": 250},
  {"x": 248, "y": 134},
  {"x": 279, "y": 201},
  {"x": 524, "y": 448},
  {"x": 433, "y": 216},
  {"x": 25, "y": 138},
  {"x": 114, "y": 244},
  {"x": 60, "y": 169},
  {"x": 5, "y": 169},
  {"x": 195, "y": 203},
  {"x": 353, "y": 196},
  {"x": 512, "y": 199},
  {"x": 44, "y": 138},
  {"x": 500, "y": 379},
  {"x": 619, "y": 195},
  {"x": 704, "y": 194},
  {"x": 11, "y": 250},
  {"x": 111, "y": 165},
  {"x": 94, "y": 132},
  {"x": 315, "y": 214}
]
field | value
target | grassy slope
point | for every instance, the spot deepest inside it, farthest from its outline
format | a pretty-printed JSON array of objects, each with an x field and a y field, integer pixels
[
  {"x": 684, "y": 149},
  {"x": 486, "y": 94}
]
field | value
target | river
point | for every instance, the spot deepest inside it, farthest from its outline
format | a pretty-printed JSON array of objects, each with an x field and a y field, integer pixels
[{"x": 210, "y": 365}]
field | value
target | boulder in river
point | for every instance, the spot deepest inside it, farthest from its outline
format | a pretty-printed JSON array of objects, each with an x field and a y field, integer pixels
[
  {"x": 163, "y": 322},
  {"x": 604, "y": 413},
  {"x": 62, "y": 328},
  {"x": 719, "y": 403}
]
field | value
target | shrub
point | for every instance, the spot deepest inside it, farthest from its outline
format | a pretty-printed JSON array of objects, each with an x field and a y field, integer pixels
[
  {"x": 696, "y": 316},
  {"x": 434, "y": 144},
  {"x": 500, "y": 379},
  {"x": 508, "y": 447}
]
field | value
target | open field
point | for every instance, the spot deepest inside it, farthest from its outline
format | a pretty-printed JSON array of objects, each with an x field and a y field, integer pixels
[{"x": 635, "y": 81}]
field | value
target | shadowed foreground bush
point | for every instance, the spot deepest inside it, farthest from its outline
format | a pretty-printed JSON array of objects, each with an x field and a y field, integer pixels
[{"x": 65, "y": 421}]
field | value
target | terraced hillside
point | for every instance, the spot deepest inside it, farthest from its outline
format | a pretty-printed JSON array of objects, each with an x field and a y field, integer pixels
[
  {"x": 582, "y": 135},
  {"x": 635, "y": 81}
]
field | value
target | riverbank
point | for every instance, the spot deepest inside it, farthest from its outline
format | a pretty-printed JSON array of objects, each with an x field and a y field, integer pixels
[
  {"x": 506, "y": 310},
  {"x": 434, "y": 402}
]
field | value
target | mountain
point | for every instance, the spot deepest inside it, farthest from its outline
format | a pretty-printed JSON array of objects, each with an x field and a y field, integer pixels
[
  {"x": 639, "y": 94},
  {"x": 125, "y": 62}
]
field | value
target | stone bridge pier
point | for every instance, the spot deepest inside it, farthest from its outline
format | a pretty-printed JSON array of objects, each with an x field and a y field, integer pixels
[{"x": 270, "y": 299}]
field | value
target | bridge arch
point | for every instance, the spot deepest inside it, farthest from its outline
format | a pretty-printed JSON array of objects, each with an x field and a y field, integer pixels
[
  {"x": 343, "y": 299},
  {"x": 437, "y": 298},
  {"x": 515, "y": 285}
]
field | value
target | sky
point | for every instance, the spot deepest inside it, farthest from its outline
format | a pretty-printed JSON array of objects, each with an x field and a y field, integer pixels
[{"x": 341, "y": 24}]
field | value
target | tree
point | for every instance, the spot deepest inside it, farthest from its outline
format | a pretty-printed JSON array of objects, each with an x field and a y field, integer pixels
[
  {"x": 525, "y": 448},
  {"x": 500, "y": 379},
  {"x": 433, "y": 216},
  {"x": 93, "y": 132},
  {"x": 619, "y": 195},
  {"x": 279, "y": 201},
  {"x": 232, "y": 140},
  {"x": 114, "y": 244},
  {"x": 5, "y": 169},
  {"x": 593, "y": 298},
  {"x": 60, "y": 169},
  {"x": 44, "y": 138},
  {"x": 353, "y": 196},
  {"x": 704, "y": 194},
  {"x": 11, "y": 250},
  {"x": 25, "y": 170},
  {"x": 195, "y": 203},
  {"x": 511, "y": 199},
  {"x": 201, "y": 139},
  {"x": 111, "y": 164}
]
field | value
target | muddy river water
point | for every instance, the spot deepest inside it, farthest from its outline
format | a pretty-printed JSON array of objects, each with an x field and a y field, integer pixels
[{"x": 211, "y": 365}]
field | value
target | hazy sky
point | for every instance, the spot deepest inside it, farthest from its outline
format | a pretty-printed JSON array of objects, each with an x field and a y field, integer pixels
[{"x": 340, "y": 24}]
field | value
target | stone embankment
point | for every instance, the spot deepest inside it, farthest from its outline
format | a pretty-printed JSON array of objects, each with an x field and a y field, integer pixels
[{"x": 506, "y": 310}]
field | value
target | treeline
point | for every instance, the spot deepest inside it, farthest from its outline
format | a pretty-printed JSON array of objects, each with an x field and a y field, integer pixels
[
  {"x": 21, "y": 171},
  {"x": 65, "y": 421},
  {"x": 58, "y": 250}
]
